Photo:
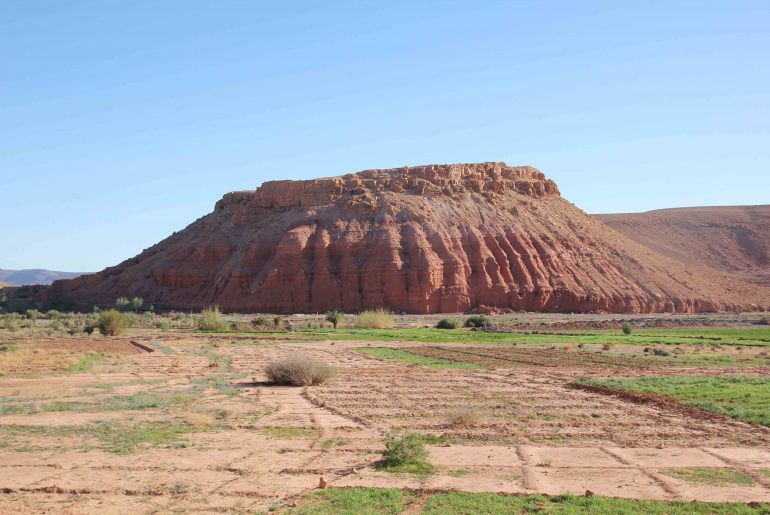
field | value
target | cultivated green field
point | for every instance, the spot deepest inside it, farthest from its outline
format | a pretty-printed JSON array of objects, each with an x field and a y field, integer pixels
[
  {"x": 741, "y": 397},
  {"x": 376, "y": 501},
  {"x": 754, "y": 336}
]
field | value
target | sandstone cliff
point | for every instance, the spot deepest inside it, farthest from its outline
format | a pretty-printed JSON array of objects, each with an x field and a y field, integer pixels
[{"x": 439, "y": 238}]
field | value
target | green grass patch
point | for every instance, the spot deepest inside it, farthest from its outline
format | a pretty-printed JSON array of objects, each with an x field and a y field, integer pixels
[
  {"x": 459, "y": 472},
  {"x": 112, "y": 436},
  {"x": 334, "y": 442},
  {"x": 355, "y": 501},
  {"x": 744, "y": 398},
  {"x": 162, "y": 347},
  {"x": 413, "y": 359},
  {"x": 219, "y": 383},
  {"x": 134, "y": 402},
  {"x": 289, "y": 432},
  {"x": 709, "y": 476},
  {"x": 390, "y": 501},
  {"x": 754, "y": 335},
  {"x": 418, "y": 468},
  {"x": 85, "y": 363}
]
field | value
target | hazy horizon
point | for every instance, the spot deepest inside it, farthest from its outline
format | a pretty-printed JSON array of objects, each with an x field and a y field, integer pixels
[{"x": 122, "y": 123}]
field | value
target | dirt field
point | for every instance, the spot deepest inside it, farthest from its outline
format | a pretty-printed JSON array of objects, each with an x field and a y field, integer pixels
[{"x": 93, "y": 424}]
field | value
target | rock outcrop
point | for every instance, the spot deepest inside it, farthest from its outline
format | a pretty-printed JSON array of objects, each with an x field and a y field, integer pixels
[{"x": 439, "y": 238}]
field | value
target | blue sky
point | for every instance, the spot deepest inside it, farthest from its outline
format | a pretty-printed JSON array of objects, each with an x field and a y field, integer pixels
[{"x": 121, "y": 122}]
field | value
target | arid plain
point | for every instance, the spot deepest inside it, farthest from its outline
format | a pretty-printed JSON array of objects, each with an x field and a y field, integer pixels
[{"x": 168, "y": 418}]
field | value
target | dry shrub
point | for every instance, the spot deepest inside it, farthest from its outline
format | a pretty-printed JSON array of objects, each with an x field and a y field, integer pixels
[
  {"x": 197, "y": 419},
  {"x": 379, "y": 318},
  {"x": 111, "y": 322},
  {"x": 607, "y": 346},
  {"x": 449, "y": 323},
  {"x": 211, "y": 319},
  {"x": 298, "y": 370},
  {"x": 466, "y": 417}
]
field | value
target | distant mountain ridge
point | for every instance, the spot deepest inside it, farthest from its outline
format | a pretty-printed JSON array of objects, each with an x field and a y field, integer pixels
[
  {"x": 730, "y": 239},
  {"x": 34, "y": 276}
]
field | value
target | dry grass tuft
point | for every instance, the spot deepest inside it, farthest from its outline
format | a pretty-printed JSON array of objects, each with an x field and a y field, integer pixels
[
  {"x": 299, "y": 370},
  {"x": 466, "y": 417},
  {"x": 379, "y": 318}
]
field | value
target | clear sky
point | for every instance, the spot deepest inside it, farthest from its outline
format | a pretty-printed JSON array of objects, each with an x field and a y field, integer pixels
[{"x": 122, "y": 121}]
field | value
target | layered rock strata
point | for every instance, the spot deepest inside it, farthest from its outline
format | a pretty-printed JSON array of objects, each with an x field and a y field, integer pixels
[{"x": 438, "y": 238}]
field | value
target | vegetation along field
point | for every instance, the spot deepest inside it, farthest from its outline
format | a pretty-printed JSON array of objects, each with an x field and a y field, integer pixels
[{"x": 129, "y": 410}]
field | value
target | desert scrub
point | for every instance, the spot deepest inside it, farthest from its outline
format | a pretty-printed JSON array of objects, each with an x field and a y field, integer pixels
[
  {"x": 379, "y": 318},
  {"x": 406, "y": 453},
  {"x": 298, "y": 370},
  {"x": 111, "y": 322},
  {"x": 626, "y": 328},
  {"x": 448, "y": 323},
  {"x": 478, "y": 321},
  {"x": 466, "y": 417},
  {"x": 211, "y": 319}
]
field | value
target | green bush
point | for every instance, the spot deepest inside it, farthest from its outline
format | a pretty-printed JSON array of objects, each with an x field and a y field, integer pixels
[
  {"x": 211, "y": 319},
  {"x": 404, "y": 449},
  {"x": 478, "y": 321},
  {"x": 335, "y": 317},
  {"x": 162, "y": 324},
  {"x": 449, "y": 323},
  {"x": 33, "y": 315},
  {"x": 111, "y": 322},
  {"x": 298, "y": 371},
  {"x": 136, "y": 303},
  {"x": 379, "y": 318},
  {"x": 626, "y": 328}
]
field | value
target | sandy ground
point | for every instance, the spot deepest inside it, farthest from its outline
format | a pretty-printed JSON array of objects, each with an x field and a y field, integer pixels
[{"x": 261, "y": 446}]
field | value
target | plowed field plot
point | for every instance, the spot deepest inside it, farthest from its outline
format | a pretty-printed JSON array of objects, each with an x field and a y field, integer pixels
[
  {"x": 530, "y": 405},
  {"x": 185, "y": 422},
  {"x": 508, "y": 357}
]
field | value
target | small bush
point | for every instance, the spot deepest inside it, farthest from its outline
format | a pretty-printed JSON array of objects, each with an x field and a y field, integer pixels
[
  {"x": 137, "y": 303},
  {"x": 448, "y": 323},
  {"x": 278, "y": 322},
  {"x": 626, "y": 328},
  {"x": 379, "y": 318},
  {"x": 211, "y": 319},
  {"x": 478, "y": 321},
  {"x": 260, "y": 322},
  {"x": 298, "y": 370},
  {"x": 334, "y": 317},
  {"x": 162, "y": 324},
  {"x": 607, "y": 346},
  {"x": 466, "y": 417},
  {"x": 404, "y": 449},
  {"x": 661, "y": 352},
  {"x": 122, "y": 303},
  {"x": 111, "y": 322}
]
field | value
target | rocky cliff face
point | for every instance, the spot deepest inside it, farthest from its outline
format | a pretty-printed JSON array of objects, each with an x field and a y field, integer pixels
[{"x": 439, "y": 238}]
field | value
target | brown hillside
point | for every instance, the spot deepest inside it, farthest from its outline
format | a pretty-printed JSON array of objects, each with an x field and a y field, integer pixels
[
  {"x": 439, "y": 238},
  {"x": 732, "y": 239}
]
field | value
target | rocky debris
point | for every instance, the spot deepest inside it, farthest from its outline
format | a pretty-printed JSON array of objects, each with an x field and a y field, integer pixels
[{"x": 439, "y": 238}]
